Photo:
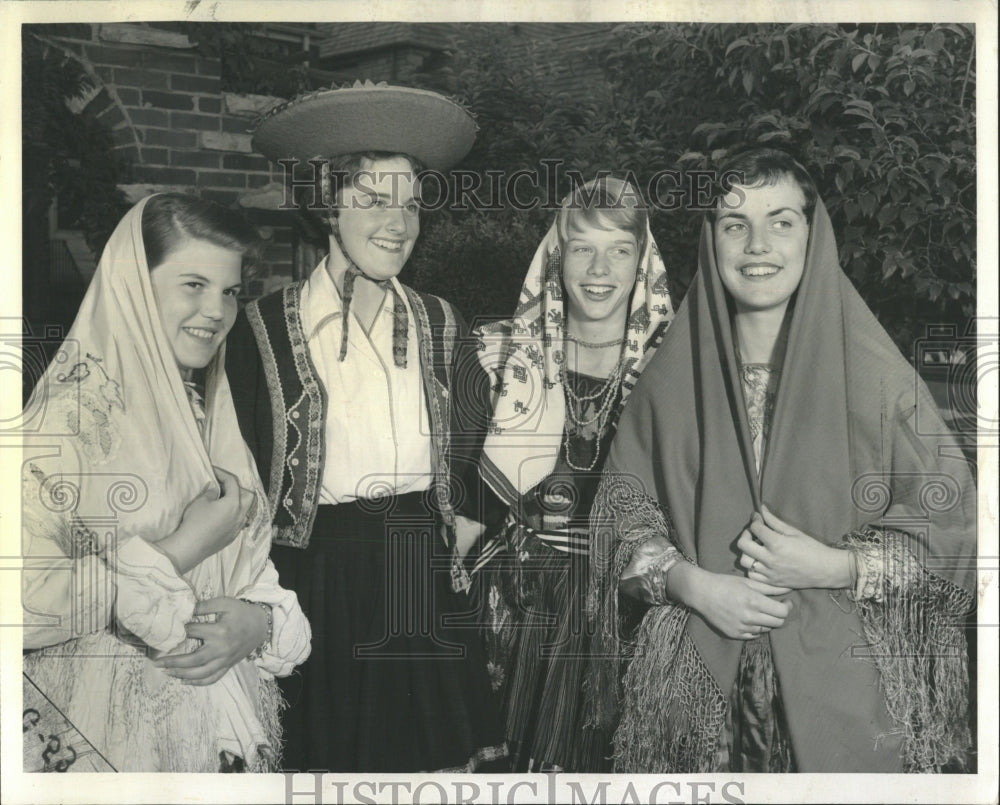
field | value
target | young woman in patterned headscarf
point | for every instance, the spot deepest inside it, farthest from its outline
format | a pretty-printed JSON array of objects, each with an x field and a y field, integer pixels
[{"x": 593, "y": 307}]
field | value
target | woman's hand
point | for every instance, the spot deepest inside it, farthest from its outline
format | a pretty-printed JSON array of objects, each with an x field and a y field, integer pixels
[
  {"x": 784, "y": 556},
  {"x": 739, "y": 608},
  {"x": 467, "y": 533},
  {"x": 238, "y": 629},
  {"x": 210, "y": 522}
]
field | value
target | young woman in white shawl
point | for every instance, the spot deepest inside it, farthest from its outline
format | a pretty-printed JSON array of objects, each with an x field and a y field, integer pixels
[
  {"x": 593, "y": 307},
  {"x": 153, "y": 618}
]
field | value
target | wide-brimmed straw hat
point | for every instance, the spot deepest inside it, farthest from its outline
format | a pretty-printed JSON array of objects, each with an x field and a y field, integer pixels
[{"x": 368, "y": 117}]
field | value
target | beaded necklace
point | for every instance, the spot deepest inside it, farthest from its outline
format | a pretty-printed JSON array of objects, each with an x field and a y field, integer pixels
[
  {"x": 603, "y": 399},
  {"x": 595, "y": 344}
]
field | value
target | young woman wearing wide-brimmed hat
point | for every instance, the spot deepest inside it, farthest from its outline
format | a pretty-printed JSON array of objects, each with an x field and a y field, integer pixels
[{"x": 351, "y": 395}]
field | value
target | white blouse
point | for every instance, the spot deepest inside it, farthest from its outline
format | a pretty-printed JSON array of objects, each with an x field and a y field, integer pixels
[{"x": 377, "y": 430}]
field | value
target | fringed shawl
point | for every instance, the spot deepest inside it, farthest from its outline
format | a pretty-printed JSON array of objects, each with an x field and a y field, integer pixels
[
  {"x": 115, "y": 457},
  {"x": 847, "y": 449}
]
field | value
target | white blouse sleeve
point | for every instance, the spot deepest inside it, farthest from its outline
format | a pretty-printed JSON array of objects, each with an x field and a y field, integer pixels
[
  {"x": 291, "y": 636},
  {"x": 77, "y": 581}
]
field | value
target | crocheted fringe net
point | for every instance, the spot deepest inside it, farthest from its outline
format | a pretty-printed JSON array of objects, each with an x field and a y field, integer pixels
[
  {"x": 915, "y": 637},
  {"x": 667, "y": 709}
]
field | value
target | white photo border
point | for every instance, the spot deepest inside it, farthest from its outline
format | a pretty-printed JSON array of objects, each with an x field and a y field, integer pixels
[{"x": 133, "y": 788}]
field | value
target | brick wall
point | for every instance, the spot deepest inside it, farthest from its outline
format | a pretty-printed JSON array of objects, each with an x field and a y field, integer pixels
[{"x": 174, "y": 128}]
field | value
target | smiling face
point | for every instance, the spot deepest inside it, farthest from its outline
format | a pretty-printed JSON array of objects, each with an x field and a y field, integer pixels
[
  {"x": 196, "y": 288},
  {"x": 599, "y": 269},
  {"x": 761, "y": 234},
  {"x": 379, "y": 217}
]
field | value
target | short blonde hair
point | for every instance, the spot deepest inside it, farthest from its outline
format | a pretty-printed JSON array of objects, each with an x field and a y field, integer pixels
[{"x": 606, "y": 203}]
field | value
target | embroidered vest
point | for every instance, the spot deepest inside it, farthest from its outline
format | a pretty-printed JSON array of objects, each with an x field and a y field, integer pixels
[{"x": 298, "y": 405}]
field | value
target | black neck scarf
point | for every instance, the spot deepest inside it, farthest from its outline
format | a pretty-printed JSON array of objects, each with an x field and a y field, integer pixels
[{"x": 400, "y": 318}]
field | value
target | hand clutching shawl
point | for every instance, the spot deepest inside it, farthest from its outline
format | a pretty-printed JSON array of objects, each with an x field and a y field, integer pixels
[
  {"x": 114, "y": 457},
  {"x": 876, "y": 682}
]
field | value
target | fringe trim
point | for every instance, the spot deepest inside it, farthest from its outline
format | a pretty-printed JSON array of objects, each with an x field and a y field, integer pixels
[
  {"x": 271, "y": 704},
  {"x": 622, "y": 518},
  {"x": 102, "y": 686},
  {"x": 485, "y": 754},
  {"x": 673, "y": 711},
  {"x": 166, "y": 712},
  {"x": 915, "y": 636}
]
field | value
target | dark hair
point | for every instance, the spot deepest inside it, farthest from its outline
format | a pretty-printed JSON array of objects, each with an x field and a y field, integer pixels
[
  {"x": 342, "y": 171},
  {"x": 762, "y": 166},
  {"x": 170, "y": 218},
  {"x": 606, "y": 203}
]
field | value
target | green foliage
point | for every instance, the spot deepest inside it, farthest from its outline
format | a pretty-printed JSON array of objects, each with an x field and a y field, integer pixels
[
  {"x": 882, "y": 115},
  {"x": 65, "y": 155}
]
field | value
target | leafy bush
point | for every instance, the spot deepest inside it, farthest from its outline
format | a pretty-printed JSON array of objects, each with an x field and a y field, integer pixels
[
  {"x": 65, "y": 155},
  {"x": 882, "y": 115}
]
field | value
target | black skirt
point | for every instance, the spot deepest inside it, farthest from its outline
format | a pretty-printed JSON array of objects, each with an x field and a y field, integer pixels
[{"x": 396, "y": 681}]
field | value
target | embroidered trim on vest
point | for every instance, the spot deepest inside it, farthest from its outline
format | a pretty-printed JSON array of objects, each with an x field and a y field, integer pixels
[
  {"x": 313, "y": 399},
  {"x": 438, "y": 390},
  {"x": 295, "y": 389},
  {"x": 274, "y": 390},
  {"x": 449, "y": 334},
  {"x": 295, "y": 392},
  {"x": 438, "y": 402}
]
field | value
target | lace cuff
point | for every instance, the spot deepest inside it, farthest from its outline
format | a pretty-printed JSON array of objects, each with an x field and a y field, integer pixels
[
  {"x": 645, "y": 576},
  {"x": 882, "y": 562}
]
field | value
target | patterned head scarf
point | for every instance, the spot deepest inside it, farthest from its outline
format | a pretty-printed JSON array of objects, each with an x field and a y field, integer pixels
[{"x": 527, "y": 355}]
